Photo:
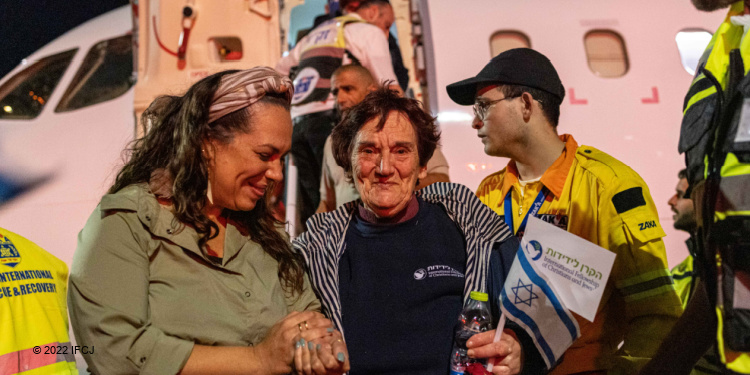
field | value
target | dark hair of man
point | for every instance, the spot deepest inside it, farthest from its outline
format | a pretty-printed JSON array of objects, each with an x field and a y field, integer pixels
[
  {"x": 178, "y": 127},
  {"x": 682, "y": 174},
  {"x": 368, "y": 3},
  {"x": 362, "y": 73},
  {"x": 549, "y": 103},
  {"x": 711, "y": 5},
  {"x": 378, "y": 105}
]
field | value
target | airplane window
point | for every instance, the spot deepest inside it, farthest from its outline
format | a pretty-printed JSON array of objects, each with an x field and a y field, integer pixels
[
  {"x": 24, "y": 95},
  {"x": 105, "y": 73},
  {"x": 605, "y": 51},
  {"x": 502, "y": 41},
  {"x": 691, "y": 43}
]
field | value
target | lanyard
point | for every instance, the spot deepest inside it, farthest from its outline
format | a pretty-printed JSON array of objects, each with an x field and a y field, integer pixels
[{"x": 508, "y": 207}]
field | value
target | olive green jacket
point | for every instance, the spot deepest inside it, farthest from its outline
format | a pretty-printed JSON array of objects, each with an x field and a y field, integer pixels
[{"x": 142, "y": 292}]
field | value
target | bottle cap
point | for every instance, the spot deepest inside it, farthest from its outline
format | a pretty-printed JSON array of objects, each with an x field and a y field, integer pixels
[{"x": 479, "y": 296}]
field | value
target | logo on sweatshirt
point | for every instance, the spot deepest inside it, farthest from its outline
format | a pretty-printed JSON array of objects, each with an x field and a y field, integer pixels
[{"x": 436, "y": 271}]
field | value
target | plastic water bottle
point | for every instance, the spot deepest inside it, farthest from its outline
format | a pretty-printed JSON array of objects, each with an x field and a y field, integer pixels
[{"x": 474, "y": 318}]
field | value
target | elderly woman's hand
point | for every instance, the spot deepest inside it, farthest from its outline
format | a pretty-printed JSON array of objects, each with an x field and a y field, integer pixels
[
  {"x": 507, "y": 352},
  {"x": 324, "y": 356},
  {"x": 276, "y": 351}
]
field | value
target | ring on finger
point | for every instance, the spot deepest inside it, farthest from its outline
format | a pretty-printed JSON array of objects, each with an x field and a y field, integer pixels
[
  {"x": 299, "y": 325},
  {"x": 306, "y": 326}
]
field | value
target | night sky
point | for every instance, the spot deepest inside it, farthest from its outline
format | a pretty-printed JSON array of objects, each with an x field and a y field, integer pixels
[{"x": 27, "y": 25}]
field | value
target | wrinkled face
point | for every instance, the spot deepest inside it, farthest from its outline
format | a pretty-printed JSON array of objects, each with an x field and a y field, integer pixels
[
  {"x": 502, "y": 124},
  {"x": 711, "y": 5},
  {"x": 684, "y": 212},
  {"x": 348, "y": 89},
  {"x": 386, "y": 165},
  {"x": 240, "y": 171}
]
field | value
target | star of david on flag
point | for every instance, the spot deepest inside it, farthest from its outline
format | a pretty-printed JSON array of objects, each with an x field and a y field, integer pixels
[
  {"x": 524, "y": 293},
  {"x": 530, "y": 300}
]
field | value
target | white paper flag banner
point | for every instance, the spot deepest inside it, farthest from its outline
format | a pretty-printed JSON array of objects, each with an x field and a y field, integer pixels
[
  {"x": 530, "y": 300},
  {"x": 578, "y": 268}
]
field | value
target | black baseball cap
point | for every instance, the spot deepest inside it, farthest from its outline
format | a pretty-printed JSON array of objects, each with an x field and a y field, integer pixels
[{"x": 518, "y": 66}]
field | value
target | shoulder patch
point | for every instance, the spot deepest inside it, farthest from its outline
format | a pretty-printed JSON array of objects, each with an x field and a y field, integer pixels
[
  {"x": 599, "y": 163},
  {"x": 629, "y": 199}
]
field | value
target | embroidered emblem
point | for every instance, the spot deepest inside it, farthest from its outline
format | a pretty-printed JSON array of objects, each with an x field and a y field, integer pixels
[{"x": 9, "y": 255}]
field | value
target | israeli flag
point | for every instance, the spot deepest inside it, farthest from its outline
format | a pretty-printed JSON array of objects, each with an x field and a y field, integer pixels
[{"x": 531, "y": 301}]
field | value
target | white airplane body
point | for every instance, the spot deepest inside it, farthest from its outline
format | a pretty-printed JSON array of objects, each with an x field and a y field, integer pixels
[
  {"x": 634, "y": 117},
  {"x": 77, "y": 151}
]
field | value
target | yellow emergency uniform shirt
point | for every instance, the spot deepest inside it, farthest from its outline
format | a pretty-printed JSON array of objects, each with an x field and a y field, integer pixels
[
  {"x": 602, "y": 200},
  {"x": 33, "y": 312},
  {"x": 685, "y": 280}
]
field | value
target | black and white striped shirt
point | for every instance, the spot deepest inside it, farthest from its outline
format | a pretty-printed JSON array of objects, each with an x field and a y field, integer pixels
[{"x": 323, "y": 244}]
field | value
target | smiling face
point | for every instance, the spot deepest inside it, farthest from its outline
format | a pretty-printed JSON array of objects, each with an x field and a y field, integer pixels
[
  {"x": 386, "y": 165},
  {"x": 240, "y": 171}
]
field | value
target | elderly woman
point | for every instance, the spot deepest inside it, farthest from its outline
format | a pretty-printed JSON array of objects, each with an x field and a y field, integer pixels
[
  {"x": 394, "y": 268},
  {"x": 181, "y": 267}
]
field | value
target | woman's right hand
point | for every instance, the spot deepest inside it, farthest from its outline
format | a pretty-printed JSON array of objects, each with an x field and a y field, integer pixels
[{"x": 276, "y": 351}]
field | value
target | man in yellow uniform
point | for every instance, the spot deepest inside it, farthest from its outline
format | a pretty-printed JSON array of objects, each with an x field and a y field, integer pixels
[
  {"x": 33, "y": 312},
  {"x": 516, "y": 100},
  {"x": 685, "y": 275}
]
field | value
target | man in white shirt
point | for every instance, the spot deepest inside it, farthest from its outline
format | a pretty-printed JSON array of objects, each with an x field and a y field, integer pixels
[{"x": 340, "y": 41}]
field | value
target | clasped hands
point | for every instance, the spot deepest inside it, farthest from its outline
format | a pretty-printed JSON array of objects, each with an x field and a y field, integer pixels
[{"x": 307, "y": 343}]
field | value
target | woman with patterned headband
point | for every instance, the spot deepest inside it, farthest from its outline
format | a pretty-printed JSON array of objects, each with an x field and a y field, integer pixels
[{"x": 181, "y": 267}]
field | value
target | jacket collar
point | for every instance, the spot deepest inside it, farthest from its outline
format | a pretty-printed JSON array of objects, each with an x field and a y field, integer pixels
[
  {"x": 161, "y": 222},
  {"x": 554, "y": 177}
]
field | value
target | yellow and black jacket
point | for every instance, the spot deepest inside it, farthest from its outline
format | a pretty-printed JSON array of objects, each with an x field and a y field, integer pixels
[
  {"x": 600, "y": 199},
  {"x": 715, "y": 138},
  {"x": 323, "y": 52}
]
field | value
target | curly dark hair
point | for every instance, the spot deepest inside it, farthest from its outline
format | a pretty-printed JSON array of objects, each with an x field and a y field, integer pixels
[
  {"x": 377, "y": 105},
  {"x": 178, "y": 127}
]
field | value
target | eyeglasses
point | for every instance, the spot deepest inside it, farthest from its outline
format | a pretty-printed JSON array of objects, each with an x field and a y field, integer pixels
[{"x": 481, "y": 108}]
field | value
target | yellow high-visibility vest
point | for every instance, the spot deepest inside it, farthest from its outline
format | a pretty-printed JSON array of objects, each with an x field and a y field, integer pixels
[
  {"x": 323, "y": 51},
  {"x": 33, "y": 310},
  {"x": 716, "y": 139}
]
